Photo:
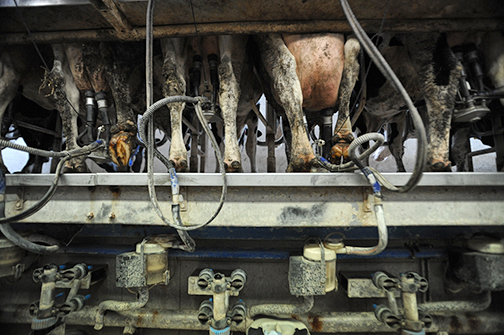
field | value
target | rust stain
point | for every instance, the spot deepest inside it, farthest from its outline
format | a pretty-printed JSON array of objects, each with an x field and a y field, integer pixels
[
  {"x": 315, "y": 323},
  {"x": 139, "y": 320},
  {"x": 455, "y": 325},
  {"x": 154, "y": 314},
  {"x": 294, "y": 316},
  {"x": 473, "y": 321},
  {"x": 116, "y": 191}
]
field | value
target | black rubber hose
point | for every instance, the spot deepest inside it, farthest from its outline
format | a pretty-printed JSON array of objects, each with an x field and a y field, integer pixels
[
  {"x": 385, "y": 69},
  {"x": 52, "y": 189}
]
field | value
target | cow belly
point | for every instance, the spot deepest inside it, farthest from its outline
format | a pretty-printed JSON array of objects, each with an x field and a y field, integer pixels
[{"x": 320, "y": 60}]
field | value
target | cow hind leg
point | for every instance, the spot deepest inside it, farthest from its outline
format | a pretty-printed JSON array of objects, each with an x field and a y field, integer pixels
[
  {"x": 67, "y": 99},
  {"x": 281, "y": 67},
  {"x": 396, "y": 145},
  {"x": 440, "y": 101},
  {"x": 343, "y": 132},
  {"x": 460, "y": 148},
  {"x": 175, "y": 85},
  {"x": 232, "y": 57},
  {"x": 119, "y": 62}
]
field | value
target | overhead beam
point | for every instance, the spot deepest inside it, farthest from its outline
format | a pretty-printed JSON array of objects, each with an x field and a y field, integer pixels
[{"x": 109, "y": 10}]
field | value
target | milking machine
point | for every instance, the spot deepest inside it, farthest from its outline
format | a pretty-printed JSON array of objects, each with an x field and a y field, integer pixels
[{"x": 310, "y": 273}]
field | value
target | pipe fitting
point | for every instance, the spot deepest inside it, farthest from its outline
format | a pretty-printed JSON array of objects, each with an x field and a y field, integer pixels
[{"x": 143, "y": 297}]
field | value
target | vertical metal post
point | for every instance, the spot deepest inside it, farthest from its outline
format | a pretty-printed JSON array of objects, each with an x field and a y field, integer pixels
[
  {"x": 193, "y": 160},
  {"x": 270, "y": 138},
  {"x": 498, "y": 136}
]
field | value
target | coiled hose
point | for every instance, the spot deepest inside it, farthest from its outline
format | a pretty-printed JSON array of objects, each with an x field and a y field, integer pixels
[
  {"x": 152, "y": 193},
  {"x": 381, "y": 63},
  {"x": 189, "y": 244},
  {"x": 5, "y": 228},
  {"x": 378, "y": 206}
]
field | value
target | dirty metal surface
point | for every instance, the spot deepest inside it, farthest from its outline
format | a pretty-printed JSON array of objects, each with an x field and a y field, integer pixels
[
  {"x": 358, "y": 287},
  {"x": 262, "y": 200},
  {"x": 52, "y": 21}
]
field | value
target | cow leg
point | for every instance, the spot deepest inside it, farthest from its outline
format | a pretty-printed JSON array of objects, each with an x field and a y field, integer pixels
[
  {"x": 440, "y": 89},
  {"x": 175, "y": 84},
  {"x": 343, "y": 132},
  {"x": 396, "y": 144},
  {"x": 119, "y": 59},
  {"x": 67, "y": 99},
  {"x": 232, "y": 54},
  {"x": 440, "y": 77},
  {"x": 9, "y": 82},
  {"x": 460, "y": 148},
  {"x": 280, "y": 64}
]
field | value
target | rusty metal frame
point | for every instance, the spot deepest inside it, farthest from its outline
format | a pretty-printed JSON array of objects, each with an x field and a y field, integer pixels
[{"x": 265, "y": 200}]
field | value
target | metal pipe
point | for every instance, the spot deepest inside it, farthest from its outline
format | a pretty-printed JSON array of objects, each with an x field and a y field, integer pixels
[
  {"x": 143, "y": 297},
  {"x": 257, "y": 27},
  {"x": 342, "y": 322},
  {"x": 382, "y": 236},
  {"x": 410, "y": 306},
  {"x": 282, "y": 309},
  {"x": 469, "y": 306}
]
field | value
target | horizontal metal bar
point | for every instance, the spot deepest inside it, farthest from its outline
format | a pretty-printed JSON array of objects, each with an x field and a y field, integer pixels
[
  {"x": 257, "y": 27},
  {"x": 41, "y": 3},
  {"x": 457, "y": 179}
]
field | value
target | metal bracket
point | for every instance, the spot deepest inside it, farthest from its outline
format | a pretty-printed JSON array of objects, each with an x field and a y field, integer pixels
[
  {"x": 368, "y": 202},
  {"x": 194, "y": 289},
  {"x": 21, "y": 198}
]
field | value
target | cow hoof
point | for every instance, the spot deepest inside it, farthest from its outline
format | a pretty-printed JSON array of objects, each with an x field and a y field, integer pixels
[
  {"x": 121, "y": 146},
  {"x": 340, "y": 149},
  {"x": 301, "y": 164},
  {"x": 127, "y": 126},
  {"x": 235, "y": 166},
  {"x": 180, "y": 165},
  {"x": 76, "y": 165},
  {"x": 440, "y": 167}
]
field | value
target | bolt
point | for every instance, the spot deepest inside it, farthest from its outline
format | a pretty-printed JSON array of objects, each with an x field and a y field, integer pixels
[
  {"x": 112, "y": 216},
  {"x": 90, "y": 215},
  {"x": 19, "y": 205},
  {"x": 192, "y": 280}
]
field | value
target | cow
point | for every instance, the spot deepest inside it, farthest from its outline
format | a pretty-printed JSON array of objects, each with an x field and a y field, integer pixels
[
  {"x": 36, "y": 125},
  {"x": 229, "y": 83},
  {"x": 303, "y": 62},
  {"x": 384, "y": 106},
  {"x": 21, "y": 67},
  {"x": 310, "y": 72}
]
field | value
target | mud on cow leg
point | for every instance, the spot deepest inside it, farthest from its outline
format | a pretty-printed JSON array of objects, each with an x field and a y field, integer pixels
[
  {"x": 229, "y": 95},
  {"x": 175, "y": 84},
  {"x": 280, "y": 65},
  {"x": 441, "y": 85},
  {"x": 343, "y": 132},
  {"x": 67, "y": 99}
]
